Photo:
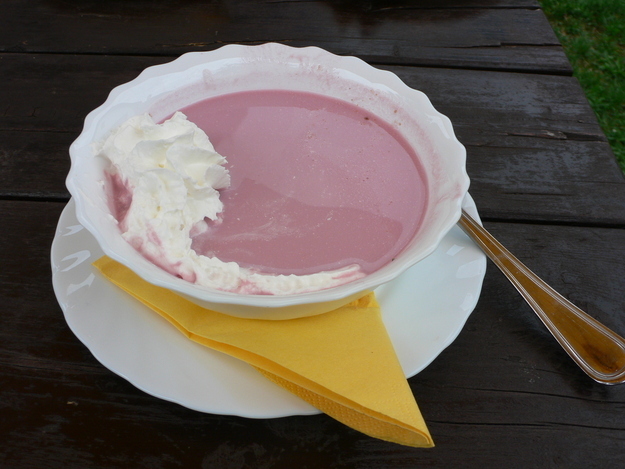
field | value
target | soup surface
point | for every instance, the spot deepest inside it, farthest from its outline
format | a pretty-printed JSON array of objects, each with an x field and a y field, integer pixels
[{"x": 317, "y": 183}]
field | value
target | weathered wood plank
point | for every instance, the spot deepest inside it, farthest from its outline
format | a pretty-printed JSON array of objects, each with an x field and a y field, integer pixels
[
  {"x": 504, "y": 390},
  {"x": 386, "y": 32},
  {"x": 34, "y": 164},
  {"x": 535, "y": 150}
]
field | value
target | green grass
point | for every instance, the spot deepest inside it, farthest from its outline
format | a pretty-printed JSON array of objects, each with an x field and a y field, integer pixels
[{"x": 592, "y": 33}]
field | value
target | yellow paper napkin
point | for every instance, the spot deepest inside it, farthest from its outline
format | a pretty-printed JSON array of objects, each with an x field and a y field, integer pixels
[{"x": 341, "y": 362}]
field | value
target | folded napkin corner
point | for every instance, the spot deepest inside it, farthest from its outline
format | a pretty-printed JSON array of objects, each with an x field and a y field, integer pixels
[{"x": 342, "y": 362}]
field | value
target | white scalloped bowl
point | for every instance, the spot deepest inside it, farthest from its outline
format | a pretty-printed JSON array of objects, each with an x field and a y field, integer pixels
[{"x": 163, "y": 89}]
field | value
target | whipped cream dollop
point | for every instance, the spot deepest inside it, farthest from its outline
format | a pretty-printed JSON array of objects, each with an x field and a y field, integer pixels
[{"x": 174, "y": 176}]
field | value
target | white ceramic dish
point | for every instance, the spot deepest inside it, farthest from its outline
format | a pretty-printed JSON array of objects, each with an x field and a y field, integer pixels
[
  {"x": 163, "y": 89},
  {"x": 424, "y": 310}
]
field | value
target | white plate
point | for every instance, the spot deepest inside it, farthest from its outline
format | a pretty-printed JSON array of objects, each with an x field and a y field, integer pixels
[{"x": 423, "y": 310}]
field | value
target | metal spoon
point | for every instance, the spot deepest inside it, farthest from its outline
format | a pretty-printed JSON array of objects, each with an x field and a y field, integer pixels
[{"x": 595, "y": 348}]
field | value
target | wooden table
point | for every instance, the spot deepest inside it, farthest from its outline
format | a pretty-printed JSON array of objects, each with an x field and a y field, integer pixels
[{"x": 503, "y": 394}]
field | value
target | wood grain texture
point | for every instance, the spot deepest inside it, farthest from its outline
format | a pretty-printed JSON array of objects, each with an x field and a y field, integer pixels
[
  {"x": 381, "y": 31},
  {"x": 504, "y": 389},
  {"x": 534, "y": 148}
]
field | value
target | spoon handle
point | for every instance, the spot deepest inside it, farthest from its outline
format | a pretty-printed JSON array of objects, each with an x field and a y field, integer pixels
[{"x": 595, "y": 348}]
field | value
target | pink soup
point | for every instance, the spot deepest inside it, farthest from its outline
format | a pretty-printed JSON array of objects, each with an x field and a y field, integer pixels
[{"x": 317, "y": 183}]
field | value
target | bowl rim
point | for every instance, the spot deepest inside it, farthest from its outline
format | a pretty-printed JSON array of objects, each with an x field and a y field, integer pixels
[{"x": 159, "y": 277}]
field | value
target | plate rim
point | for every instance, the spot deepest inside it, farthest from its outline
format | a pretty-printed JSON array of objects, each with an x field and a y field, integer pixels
[{"x": 306, "y": 409}]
